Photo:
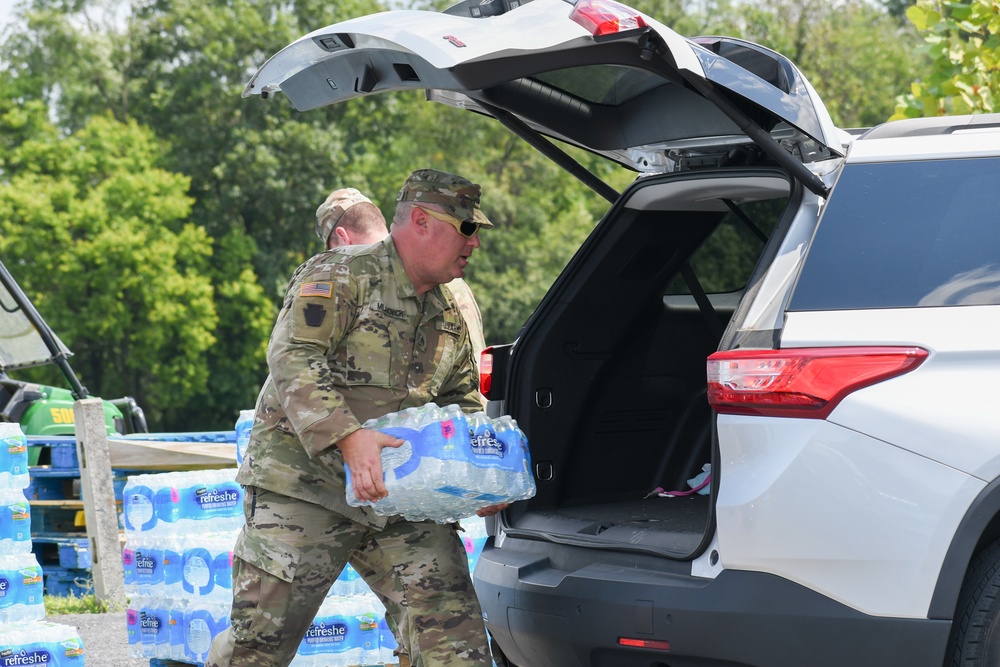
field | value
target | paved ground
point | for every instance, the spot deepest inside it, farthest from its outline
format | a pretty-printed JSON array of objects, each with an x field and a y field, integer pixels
[{"x": 105, "y": 640}]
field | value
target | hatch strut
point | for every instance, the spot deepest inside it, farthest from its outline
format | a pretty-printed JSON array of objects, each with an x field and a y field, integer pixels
[
  {"x": 759, "y": 136},
  {"x": 551, "y": 151},
  {"x": 58, "y": 357}
]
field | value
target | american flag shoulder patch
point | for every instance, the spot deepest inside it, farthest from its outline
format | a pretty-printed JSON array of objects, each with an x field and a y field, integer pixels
[{"x": 316, "y": 289}]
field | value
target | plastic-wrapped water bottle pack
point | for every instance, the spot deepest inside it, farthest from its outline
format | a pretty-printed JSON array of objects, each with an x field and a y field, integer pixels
[
  {"x": 450, "y": 464},
  {"x": 25, "y": 639},
  {"x": 42, "y": 643},
  {"x": 180, "y": 529}
]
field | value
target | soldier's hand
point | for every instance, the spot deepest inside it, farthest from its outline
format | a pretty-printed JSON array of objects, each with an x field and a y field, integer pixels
[
  {"x": 492, "y": 509},
  {"x": 363, "y": 454}
]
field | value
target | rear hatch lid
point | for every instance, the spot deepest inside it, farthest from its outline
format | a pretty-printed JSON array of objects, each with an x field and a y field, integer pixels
[{"x": 596, "y": 75}]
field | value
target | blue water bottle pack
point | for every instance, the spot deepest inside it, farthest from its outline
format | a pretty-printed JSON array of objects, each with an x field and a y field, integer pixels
[
  {"x": 13, "y": 457},
  {"x": 41, "y": 643},
  {"x": 20, "y": 589},
  {"x": 15, "y": 522},
  {"x": 449, "y": 465}
]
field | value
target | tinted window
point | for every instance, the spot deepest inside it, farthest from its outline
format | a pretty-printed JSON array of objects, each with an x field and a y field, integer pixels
[
  {"x": 602, "y": 84},
  {"x": 907, "y": 234}
]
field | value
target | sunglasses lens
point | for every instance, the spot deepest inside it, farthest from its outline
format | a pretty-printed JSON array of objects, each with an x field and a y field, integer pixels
[{"x": 467, "y": 228}]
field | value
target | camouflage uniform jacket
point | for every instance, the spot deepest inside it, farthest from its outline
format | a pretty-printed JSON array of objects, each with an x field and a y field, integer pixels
[
  {"x": 352, "y": 341},
  {"x": 461, "y": 293}
]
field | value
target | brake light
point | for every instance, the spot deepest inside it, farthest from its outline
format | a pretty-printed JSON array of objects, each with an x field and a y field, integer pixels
[
  {"x": 486, "y": 372},
  {"x": 604, "y": 17},
  {"x": 806, "y": 382},
  {"x": 634, "y": 642}
]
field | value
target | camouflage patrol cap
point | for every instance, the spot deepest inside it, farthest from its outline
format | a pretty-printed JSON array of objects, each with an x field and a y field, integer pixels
[
  {"x": 333, "y": 209},
  {"x": 456, "y": 195}
]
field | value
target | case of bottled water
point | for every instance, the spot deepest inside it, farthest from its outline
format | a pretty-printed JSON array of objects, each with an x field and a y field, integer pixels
[
  {"x": 20, "y": 588},
  {"x": 450, "y": 464},
  {"x": 13, "y": 457},
  {"x": 40, "y": 643},
  {"x": 15, "y": 522},
  {"x": 180, "y": 530}
]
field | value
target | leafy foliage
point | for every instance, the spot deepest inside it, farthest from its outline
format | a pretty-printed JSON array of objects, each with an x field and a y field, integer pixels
[
  {"x": 99, "y": 238},
  {"x": 962, "y": 42}
]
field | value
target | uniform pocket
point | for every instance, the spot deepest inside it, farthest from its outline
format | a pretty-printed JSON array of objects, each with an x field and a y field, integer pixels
[
  {"x": 369, "y": 349},
  {"x": 263, "y": 572},
  {"x": 442, "y": 348}
]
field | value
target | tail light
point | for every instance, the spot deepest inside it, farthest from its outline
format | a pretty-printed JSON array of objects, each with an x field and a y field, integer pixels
[
  {"x": 486, "y": 372},
  {"x": 806, "y": 382},
  {"x": 605, "y": 18}
]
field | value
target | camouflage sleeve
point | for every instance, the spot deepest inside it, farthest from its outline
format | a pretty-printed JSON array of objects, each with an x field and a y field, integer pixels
[{"x": 317, "y": 313}]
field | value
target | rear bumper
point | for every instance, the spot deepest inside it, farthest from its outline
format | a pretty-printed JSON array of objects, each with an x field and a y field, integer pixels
[{"x": 544, "y": 616}]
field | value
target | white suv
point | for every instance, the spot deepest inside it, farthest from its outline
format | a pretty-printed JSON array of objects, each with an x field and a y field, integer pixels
[{"x": 843, "y": 290}]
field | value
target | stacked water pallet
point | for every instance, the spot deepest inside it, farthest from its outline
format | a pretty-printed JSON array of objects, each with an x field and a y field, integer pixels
[
  {"x": 25, "y": 638},
  {"x": 58, "y": 529}
]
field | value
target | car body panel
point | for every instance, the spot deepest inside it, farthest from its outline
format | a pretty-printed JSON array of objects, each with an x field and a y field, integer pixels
[
  {"x": 856, "y": 519},
  {"x": 945, "y": 409}
]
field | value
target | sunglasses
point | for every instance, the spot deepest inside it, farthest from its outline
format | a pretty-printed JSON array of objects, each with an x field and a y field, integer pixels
[{"x": 466, "y": 228}]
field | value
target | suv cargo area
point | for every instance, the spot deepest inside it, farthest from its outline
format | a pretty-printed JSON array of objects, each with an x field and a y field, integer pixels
[{"x": 616, "y": 361}]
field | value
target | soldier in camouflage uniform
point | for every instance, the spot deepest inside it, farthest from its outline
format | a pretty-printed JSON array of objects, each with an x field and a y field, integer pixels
[
  {"x": 363, "y": 331},
  {"x": 347, "y": 217}
]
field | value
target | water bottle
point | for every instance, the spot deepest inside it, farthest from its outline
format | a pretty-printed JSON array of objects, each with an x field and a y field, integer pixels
[
  {"x": 521, "y": 483},
  {"x": 368, "y": 613},
  {"x": 154, "y": 629},
  {"x": 15, "y": 522},
  {"x": 173, "y": 566},
  {"x": 132, "y": 613},
  {"x": 202, "y": 623},
  {"x": 387, "y": 643},
  {"x": 20, "y": 588},
  {"x": 13, "y": 457},
  {"x": 474, "y": 539},
  {"x": 222, "y": 569},
  {"x": 128, "y": 565},
  {"x": 167, "y": 501},
  {"x": 137, "y": 504},
  {"x": 198, "y": 580},
  {"x": 148, "y": 558},
  {"x": 244, "y": 425},
  {"x": 329, "y": 641},
  {"x": 176, "y": 613},
  {"x": 348, "y": 583}
]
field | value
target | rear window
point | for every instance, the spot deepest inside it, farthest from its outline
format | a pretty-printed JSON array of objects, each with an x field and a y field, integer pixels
[
  {"x": 726, "y": 259},
  {"x": 602, "y": 84},
  {"x": 903, "y": 235}
]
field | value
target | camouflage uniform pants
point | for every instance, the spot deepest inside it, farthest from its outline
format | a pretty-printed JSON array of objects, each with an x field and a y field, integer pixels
[{"x": 291, "y": 551}]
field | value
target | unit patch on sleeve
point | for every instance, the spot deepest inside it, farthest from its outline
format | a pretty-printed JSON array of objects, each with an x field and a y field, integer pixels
[
  {"x": 314, "y": 314},
  {"x": 324, "y": 290}
]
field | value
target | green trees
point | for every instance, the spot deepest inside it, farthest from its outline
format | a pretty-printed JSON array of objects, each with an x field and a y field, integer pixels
[
  {"x": 962, "y": 43},
  {"x": 99, "y": 237}
]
